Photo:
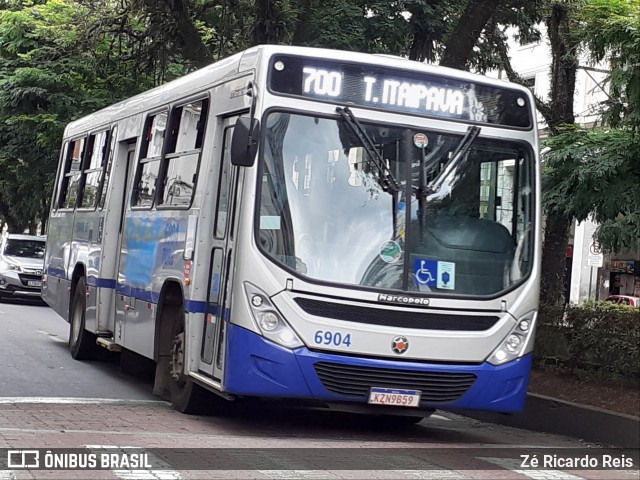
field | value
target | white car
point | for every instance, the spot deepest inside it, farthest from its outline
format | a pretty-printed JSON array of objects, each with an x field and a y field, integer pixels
[{"x": 21, "y": 263}]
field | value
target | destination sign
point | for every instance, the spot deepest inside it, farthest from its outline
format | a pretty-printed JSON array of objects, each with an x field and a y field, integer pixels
[{"x": 404, "y": 91}]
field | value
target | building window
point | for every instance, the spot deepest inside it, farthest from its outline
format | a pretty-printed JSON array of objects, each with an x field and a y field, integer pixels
[{"x": 530, "y": 83}]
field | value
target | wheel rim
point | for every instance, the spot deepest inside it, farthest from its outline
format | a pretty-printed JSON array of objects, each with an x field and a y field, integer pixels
[
  {"x": 76, "y": 321},
  {"x": 176, "y": 365}
]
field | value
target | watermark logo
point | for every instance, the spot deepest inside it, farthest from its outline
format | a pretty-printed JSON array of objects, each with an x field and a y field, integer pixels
[{"x": 23, "y": 458}]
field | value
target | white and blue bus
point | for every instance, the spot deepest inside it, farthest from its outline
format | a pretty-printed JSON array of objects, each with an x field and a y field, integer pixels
[{"x": 352, "y": 229}]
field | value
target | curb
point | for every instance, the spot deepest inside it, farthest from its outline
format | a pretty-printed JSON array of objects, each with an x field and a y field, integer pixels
[
  {"x": 552, "y": 415},
  {"x": 78, "y": 401}
]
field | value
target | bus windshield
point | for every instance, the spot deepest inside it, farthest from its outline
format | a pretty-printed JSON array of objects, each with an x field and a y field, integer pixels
[{"x": 395, "y": 207}]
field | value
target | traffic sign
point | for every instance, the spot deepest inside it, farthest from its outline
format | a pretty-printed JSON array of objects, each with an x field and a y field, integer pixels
[{"x": 595, "y": 257}]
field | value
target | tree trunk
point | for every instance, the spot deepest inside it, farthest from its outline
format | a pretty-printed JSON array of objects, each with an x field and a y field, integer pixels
[
  {"x": 176, "y": 21},
  {"x": 301, "y": 32},
  {"x": 268, "y": 25},
  {"x": 190, "y": 40},
  {"x": 564, "y": 64},
  {"x": 467, "y": 32},
  {"x": 554, "y": 264}
]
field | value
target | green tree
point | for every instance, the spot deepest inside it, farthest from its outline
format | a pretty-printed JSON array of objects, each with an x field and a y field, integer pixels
[
  {"x": 597, "y": 171},
  {"x": 456, "y": 33},
  {"x": 59, "y": 60},
  {"x": 564, "y": 29}
]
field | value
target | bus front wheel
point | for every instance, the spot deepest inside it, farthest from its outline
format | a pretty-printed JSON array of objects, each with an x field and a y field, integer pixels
[
  {"x": 185, "y": 396},
  {"x": 82, "y": 343}
]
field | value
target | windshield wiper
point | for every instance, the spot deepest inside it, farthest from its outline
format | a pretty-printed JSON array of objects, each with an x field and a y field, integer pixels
[
  {"x": 435, "y": 185},
  {"x": 389, "y": 183}
]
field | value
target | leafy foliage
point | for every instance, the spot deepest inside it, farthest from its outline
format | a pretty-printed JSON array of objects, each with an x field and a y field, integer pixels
[
  {"x": 597, "y": 171},
  {"x": 613, "y": 32},
  {"x": 599, "y": 337},
  {"x": 59, "y": 60}
]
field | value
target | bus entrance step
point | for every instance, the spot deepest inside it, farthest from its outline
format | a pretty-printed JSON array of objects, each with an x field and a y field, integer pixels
[{"x": 109, "y": 344}]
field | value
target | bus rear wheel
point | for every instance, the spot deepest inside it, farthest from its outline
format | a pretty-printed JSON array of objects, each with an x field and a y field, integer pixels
[
  {"x": 82, "y": 344},
  {"x": 184, "y": 394}
]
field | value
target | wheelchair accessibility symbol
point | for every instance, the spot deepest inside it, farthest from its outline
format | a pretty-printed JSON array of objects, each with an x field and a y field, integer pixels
[
  {"x": 434, "y": 273},
  {"x": 423, "y": 274}
]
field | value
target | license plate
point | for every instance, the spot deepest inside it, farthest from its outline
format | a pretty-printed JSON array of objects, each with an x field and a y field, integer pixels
[
  {"x": 34, "y": 283},
  {"x": 397, "y": 398}
]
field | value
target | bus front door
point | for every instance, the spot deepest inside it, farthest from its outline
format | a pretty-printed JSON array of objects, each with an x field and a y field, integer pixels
[{"x": 221, "y": 268}]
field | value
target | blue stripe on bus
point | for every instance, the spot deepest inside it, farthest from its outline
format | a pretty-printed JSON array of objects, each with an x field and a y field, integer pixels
[
  {"x": 101, "y": 282},
  {"x": 139, "y": 293},
  {"x": 193, "y": 306},
  {"x": 92, "y": 280}
]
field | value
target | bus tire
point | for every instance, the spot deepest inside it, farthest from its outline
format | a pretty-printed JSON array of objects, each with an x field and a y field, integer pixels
[
  {"x": 82, "y": 343},
  {"x": 184, "y": 395}
]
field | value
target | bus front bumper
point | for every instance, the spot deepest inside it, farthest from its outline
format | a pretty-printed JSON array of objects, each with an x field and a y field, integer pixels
[{"x": 255, "y": 366}]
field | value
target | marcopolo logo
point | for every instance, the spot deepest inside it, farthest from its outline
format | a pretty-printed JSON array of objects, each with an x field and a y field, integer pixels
[
  {"x": 399, "y": 345},
  {"x": 403, "y": 299}
]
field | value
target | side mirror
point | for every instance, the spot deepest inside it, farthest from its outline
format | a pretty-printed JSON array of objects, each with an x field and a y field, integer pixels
[{"x": 244, "y": 143}]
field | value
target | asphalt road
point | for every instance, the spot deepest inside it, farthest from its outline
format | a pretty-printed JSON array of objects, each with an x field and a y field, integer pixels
[
  {"x": 35, "y": 360},
  {"x": 48, "y": 401}
]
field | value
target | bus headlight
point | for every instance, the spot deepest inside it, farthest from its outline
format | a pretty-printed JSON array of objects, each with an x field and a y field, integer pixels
[
  {"x": 517, "y": 342},
  {"x": 269, "y": 321}
]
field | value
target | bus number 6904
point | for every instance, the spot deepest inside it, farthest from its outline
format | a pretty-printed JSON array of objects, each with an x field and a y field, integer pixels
[{"x": 326, "y": 337}]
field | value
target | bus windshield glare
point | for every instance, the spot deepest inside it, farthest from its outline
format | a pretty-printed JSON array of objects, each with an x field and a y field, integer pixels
[{"x": 326, "y": 210}]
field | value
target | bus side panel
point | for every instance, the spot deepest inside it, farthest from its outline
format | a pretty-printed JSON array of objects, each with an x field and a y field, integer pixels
[
  {"x": 55, "y": 291},
  {"x": 107, "y": 256},
  {"x": 152, "y": 253},
  {"x": 86, "y": 253}
]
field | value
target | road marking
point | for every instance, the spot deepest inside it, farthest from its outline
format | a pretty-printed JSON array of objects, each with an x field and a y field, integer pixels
[
  {"x": 432, "y": 474},
  {"x": 297, "y": 474},
  {"x": 515, "y": 466},
  {"x": 79, "y": 401},
  {"x": 164, "y": 472},
  {"x": 7, "y": 474},
  {"x": 147, "y": 474}
]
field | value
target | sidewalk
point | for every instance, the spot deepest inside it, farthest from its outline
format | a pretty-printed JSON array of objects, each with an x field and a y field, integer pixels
[{"x": 552, "y": 415}]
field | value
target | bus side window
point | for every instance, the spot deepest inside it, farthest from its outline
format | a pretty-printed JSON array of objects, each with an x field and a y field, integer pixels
[
  {"x": 185, "y": 139},
  {"x": 72, "y": 174},
  {"x": 107, "y": 162},
  {"x": 149, "y": 166},
  {"x": 224, "y": 184},
  {"x": 94, "y": 162},
  {"x": 60, "y": 178}
]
